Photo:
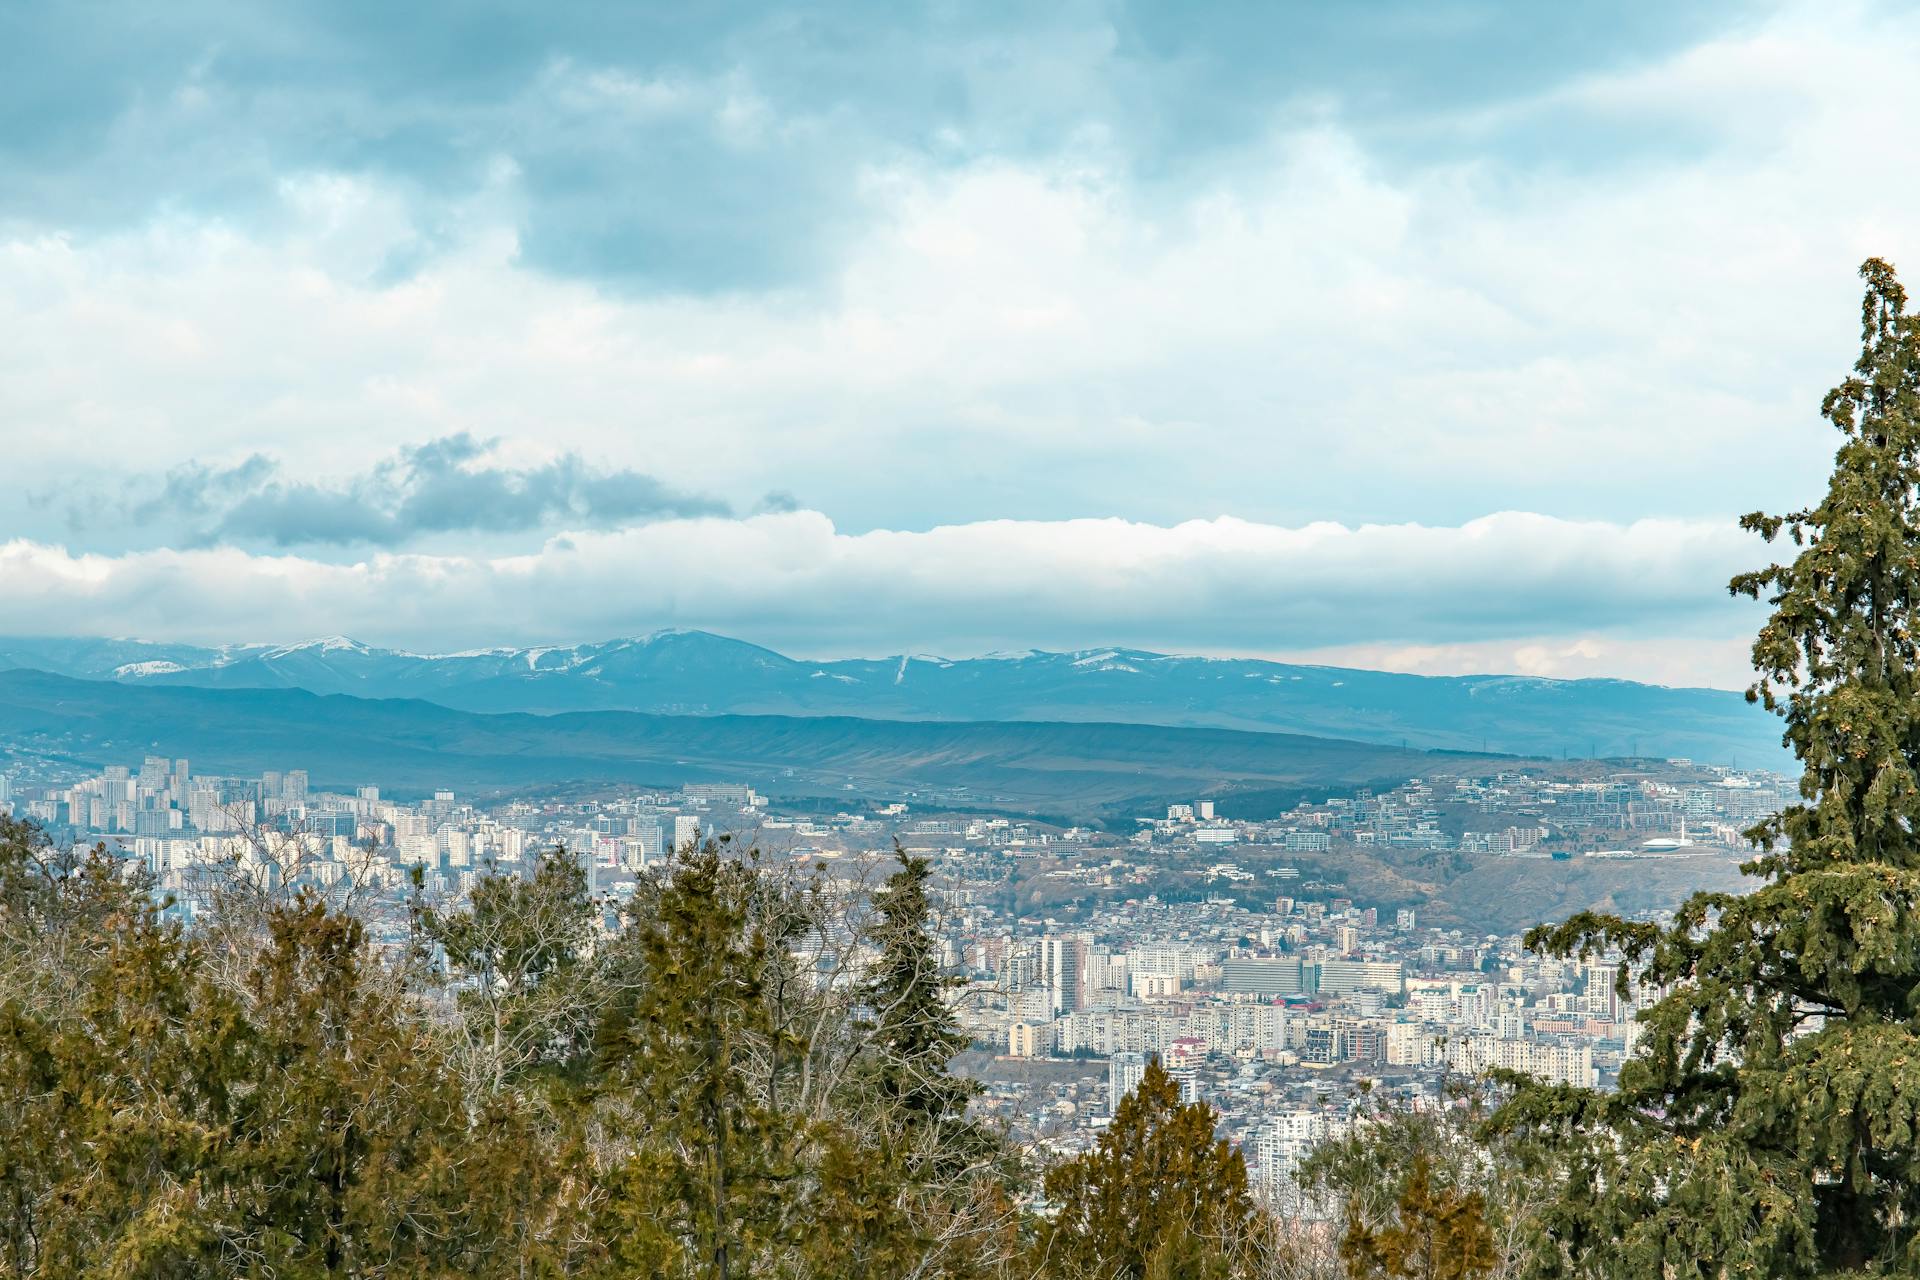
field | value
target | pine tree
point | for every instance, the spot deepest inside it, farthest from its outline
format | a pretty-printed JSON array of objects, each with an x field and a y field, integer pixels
[
  {"x": 710, "y": 1189},
  {"x": 1770, "y": 1125},
  {"x": 1159, "y": 1195},
  {"x": 908, "y": 1182},
  {"x": 914, "y": 1034}
]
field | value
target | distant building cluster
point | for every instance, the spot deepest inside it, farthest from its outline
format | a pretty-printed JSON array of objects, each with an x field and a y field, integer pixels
[
  {"x": 1269, "y": 1013},
  {"x": 1517, "y": 813},
  {"x": 183, "y": 827}
]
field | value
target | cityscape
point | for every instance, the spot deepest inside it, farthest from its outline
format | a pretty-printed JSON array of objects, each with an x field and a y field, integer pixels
[
  {"x": 926, "y": 641},
  {"x": 1076, "y": 955}
]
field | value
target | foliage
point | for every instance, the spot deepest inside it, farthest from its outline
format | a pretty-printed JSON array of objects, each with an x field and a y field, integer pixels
[
  {"x": 518, "y": 950},
  {"x": 709, "y": 1187},
  {"x": 158, "y": 1122},
  {"x": 751, "y": 1075},
  {"x": 926, "y": 1187},
  {"x": 1424, "y": 1191},
  {"x": 1437, "y": 1233},
  {"x": 1767, "y": 1126},
  {"x": 913, "y": 1033},
  {"x": 1159, "y": 1195}
]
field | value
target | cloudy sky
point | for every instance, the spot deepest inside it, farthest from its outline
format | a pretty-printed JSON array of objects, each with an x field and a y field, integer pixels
[{"x": 1440, "y": 335}]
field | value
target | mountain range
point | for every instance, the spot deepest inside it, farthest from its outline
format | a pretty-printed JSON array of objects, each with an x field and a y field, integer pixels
[{"x": 696, "y": 673}]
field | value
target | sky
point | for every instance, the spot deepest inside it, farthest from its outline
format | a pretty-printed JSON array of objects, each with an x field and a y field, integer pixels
[{"x": 1435, "y": 335}]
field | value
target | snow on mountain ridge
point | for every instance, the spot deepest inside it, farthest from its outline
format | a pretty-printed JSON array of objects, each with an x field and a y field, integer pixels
[{"x": 156, "y": 667}]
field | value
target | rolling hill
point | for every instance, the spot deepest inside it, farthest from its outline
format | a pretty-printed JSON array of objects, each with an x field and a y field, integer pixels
[{"x": 1079, "y": 770}]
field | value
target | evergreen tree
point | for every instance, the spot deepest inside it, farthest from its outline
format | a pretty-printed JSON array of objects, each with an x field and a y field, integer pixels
[
  {"x": 107, "y": 1115},
  {"x": 914, "y": 1034},
  {"x": 341, "y": 1115},
  {"x": 1437, "y": 1233},
  {"x": 712, "y": 1184},
  {"x": 1158, "y": 1195},
  {"x": 1770, "y": 1124},
  {"x": 157, "y": 1122},
  {"x": 908, "y": 1182}
]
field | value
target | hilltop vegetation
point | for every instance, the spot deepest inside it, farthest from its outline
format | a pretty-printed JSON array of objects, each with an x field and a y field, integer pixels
[
  {"x": 1766, "y": 1125},
  {"x": 741, "y": 1072}
]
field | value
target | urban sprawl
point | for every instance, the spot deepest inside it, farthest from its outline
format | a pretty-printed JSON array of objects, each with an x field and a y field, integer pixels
[{"x": 1224, "y": 948}]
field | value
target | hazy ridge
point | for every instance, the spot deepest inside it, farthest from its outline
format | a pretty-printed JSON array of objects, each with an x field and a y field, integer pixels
[{"x": 1084, "y": 770}]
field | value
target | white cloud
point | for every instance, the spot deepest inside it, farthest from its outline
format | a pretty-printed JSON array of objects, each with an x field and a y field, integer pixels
[
  {"x": 1652, "y": 653},
  {"x": 795, "y": 581},
  {"x": 1310, "y": 333}
]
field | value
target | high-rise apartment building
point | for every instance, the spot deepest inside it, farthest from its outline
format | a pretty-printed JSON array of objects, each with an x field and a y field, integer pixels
[
  {"x": 1124, "y": 1073},
  {"x": 1063, "y": 971}
]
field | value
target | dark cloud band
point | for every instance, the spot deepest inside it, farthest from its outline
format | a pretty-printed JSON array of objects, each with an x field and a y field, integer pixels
[
  {"x": 445, "y": 486},
  {"x": 723, "y": 148}
]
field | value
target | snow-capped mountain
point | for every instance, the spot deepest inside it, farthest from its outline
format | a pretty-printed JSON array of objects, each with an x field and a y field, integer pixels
[{"x": 696, "y": 672}]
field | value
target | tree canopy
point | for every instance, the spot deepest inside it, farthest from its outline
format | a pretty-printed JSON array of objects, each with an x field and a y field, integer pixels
[
  {"x": 1768, "y": 1124},
  {"x": 1159, "y": 1195},
  {"x": 748, "y": 1076}
]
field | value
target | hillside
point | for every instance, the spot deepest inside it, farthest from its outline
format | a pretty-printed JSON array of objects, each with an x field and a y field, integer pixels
[
  {"x": 695, "y": 673},
  {"x": 1086, "y": 770}
]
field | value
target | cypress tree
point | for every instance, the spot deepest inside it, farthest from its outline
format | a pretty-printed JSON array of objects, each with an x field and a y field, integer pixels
[{"x": 1770, "y": 1124}]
